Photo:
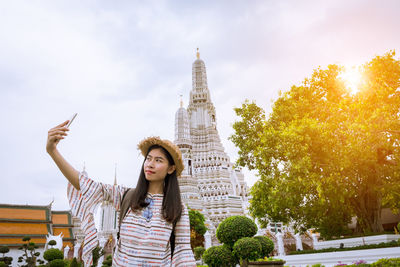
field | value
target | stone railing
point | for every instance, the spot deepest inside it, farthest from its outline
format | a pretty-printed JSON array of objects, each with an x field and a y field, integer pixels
[
  {"x": 343, "y": 257},
  {"x": 356, "y": 241}
]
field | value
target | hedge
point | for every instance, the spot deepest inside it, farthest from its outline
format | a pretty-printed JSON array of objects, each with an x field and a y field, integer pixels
[{"x": 380, "y": 245}]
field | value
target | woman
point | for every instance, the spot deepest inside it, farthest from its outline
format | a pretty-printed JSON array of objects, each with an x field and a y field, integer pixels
[{"x": 155, "y": 206}]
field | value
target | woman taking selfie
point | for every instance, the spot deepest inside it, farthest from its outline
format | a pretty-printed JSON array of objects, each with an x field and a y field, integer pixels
[{"x": 155, "y": 230}]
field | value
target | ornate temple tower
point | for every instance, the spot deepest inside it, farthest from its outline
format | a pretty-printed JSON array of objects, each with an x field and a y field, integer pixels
[
  {"x": 109, "y": 218},
  {"x": 187, "y": 183},
  {"x": 222, "y": 189}
]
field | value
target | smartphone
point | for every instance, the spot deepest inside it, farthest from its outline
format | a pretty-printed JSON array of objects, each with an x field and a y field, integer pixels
[{"x": 71, "y": 120}]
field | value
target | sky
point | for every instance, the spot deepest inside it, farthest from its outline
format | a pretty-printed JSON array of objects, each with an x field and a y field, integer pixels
[{"x": 122, "y": 65}]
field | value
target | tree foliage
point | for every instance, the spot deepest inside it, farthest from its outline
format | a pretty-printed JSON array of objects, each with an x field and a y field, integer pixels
[
  {"x": 29, "y": 256},
  {"x": 267, "y": 245},
  {"x": 197, "y": 228},
  {"x": 5, "y": 261},
  {"x": 198, "y": 252},
  {"x": 234, "y": 228},
  {"x": 75, "y": 263},
  {"x": 247, "y": 248},
  {"x": 97, "y": 252},
  {"x": 53, "y": 254},
  {"x": 107, "y": 261},
  {"x": 324, "y": 154},
  {"x": 219, "y": 256}
]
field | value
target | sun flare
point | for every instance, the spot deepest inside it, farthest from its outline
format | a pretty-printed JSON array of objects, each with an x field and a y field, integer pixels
[{"x": 352, "y": 78}]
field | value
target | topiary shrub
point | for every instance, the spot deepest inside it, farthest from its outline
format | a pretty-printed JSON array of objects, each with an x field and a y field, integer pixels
[
  {"x": 57, "y": 263},
  {"x": 75, "y": 263},
  {"x": 107, "y": 262},
  {"x": 198, "y": 252},
  {"x": 6, "y": 260},
  {"x": 247, "y": 248},
  {"x": 218, "y": 256},
  {"x": 234, "y": 228},
  {"x": 52, "y": 243},
  {"x": 267, "y": 245},
  {"x": 29, "y": 254},
  {"x": 97, "y": 252},
  {"x": 4, "y": 250},
  {"x": 53, "y": 254}
]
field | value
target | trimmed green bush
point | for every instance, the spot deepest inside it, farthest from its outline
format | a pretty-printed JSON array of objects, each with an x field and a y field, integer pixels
[
  {"x": 52, "y": 243},
  {"x": 267, "y": 245},
  {"x": 53, "y": 254},
  {"x": 218, "y": 256},
  {"x": 108, "y": 261},
  {"x": 57, "y": 263},
  {"x": 247, "y": 248},
  {"x": 198, "y": 252},
  {"x": 234, "y": 228},
  {"x": 75, "y": 263},
  {"x": 4, "y": 249},
  {"x": 6, "y": 260},
  {"x": 380, "y": 245}
]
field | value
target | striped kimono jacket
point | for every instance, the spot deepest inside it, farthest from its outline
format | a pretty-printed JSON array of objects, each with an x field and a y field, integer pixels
[{"x": 144, "y": 234}]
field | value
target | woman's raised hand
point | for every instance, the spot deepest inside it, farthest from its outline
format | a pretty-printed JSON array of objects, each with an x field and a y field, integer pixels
[{"x": 55, "y": 135}]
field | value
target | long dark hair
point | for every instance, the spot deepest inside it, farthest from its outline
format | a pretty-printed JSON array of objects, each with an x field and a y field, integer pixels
[{"x": 172, "y": 203}]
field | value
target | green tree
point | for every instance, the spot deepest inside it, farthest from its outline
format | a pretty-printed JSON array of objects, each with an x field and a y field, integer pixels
[
  {"x": 322, "y": 155},
  {"x": 57, "y": 263},
  {"x": 247, "y": 248},
  {"x": 29, "y": 255},
  {"x": 198, "y": 252},
  {"x": 52, "y": 243},
  {"x": 53, "y": 254},
  {"x": 96, "y": 254},
  {"x": 197, "y": 228},
  {"x": 75, "y": 263},
  {"x": 234, "y": 228},
  {"x": 6, "y": 260},
  {"x": 267, "y": 245},
  {"x": 107, "y": 261},
  {"x": 219, "y": 256}
]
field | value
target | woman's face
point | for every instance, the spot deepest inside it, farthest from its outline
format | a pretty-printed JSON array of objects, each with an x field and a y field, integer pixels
[{"x": 156, "y": 166}]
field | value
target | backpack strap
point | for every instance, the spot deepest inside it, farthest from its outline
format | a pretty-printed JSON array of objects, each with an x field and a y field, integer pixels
[{"x": 125, "y": 203}]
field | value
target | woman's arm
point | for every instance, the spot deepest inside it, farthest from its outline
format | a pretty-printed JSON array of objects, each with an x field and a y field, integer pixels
[{"x": 53, "y": 138}]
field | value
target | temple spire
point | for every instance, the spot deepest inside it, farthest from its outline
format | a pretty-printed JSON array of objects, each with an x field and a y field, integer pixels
[
  {"x": 198, "y": 53},
  {"x": 115, "y": 175},
  {"x": 181, "y": 101}
]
